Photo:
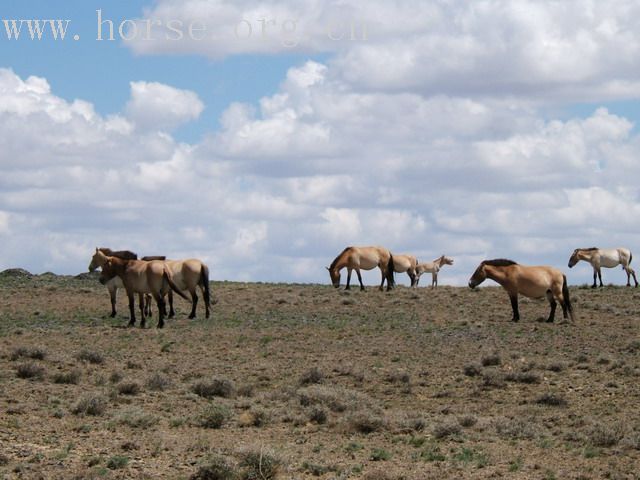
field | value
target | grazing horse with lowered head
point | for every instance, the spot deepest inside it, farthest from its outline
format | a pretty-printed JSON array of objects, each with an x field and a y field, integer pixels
[
  {"x": 532, "y": 282},
  {"x": 406, "y": 263},
  {"x": 604, "y": 257},
  {"x": 115, "y": 283},
  {"x": 139, "y": 277},
  {"x": 363, "y": 258},
  {"x": 432, "y": 267}
]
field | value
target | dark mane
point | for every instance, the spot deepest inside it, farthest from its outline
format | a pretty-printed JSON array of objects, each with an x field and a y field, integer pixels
[
  {"x": 592, "y": 249},
  {"x": 153, "y": 257},
  {"x": 123, "y": 254},
  {"x": 499, "y": 262},
  {"x": 335, "y": 260}
]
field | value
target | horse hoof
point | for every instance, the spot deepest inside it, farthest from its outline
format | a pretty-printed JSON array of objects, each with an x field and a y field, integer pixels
[
  {"x": 113, "y": 315},
  {"x": 191, "y": 317}
]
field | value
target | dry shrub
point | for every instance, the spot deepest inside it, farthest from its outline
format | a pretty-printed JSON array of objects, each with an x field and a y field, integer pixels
[
  {"x": 30, "y": 370},
  {"x": 214, "y": 416},
  {"x": 516, "y": 428},
  {"x": 129, "y": 388},
  {"x": 217, "y": 387},
  {"x": 468, "y": 421},
  {"x": 472, "y": 370},
  {"x": 68, "y": 378},
  {"x": 493, "y": 379},
  {"x": 491, "y": 360},
  {"x": 259, "y": 464},
  {"x": 551, "y": 400},
  {"x": 136, "y": 418},
  {"x": 90, "y": 356},
  {"x": 336, "y": 399},
  {"x": 94, "y": 405},
  {"x": 605, "y": 435},
  {"x": 158, "y": 382},
  {"x": 523, "y": 377},
  {"x": 365, "y": 422},
  {"x": 446, "y": 429},
  {"x": 311, "y": 376},
  {"x": 32, "y": 353},
  {"x": 215, "y": 467}
]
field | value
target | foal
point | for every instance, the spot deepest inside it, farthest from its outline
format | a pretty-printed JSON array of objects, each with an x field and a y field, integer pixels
[{"x": 433, "y": 267}]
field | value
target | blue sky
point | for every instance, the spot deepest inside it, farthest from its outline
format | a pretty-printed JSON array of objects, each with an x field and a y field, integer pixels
[{"x": 476, "y": 130}]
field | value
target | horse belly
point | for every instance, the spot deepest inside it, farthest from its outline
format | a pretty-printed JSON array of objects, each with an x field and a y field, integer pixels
[
  {"x": 609, "y": 259},
  {"x": 534, "y": 289},
  {"x": 368, "y": 263}
]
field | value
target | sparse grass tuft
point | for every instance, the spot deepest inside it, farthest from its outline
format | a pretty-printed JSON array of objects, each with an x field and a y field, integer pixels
[
  {"x": 260, "y": 464},
  {"x": 90, "y": 356},
  {"x": 32, "y": 353},
  {"x": 117, "y": 462},
  {"x": 467, "y": 421},
  {"x": 472, "y": 370},
  {"x": 491, "y": 360},
  {"x": 493, "y": 379},
  {"x": 446, "y": 429},
  {"x": 218, "y": 387},
  {"x": 605, "y": 435},
  {"x": 136, "y": 418},
  {"x": 214, "y": 416},
  {"x": 551, "y": 400},
  {"x": 365, "y": 422},
  {"x": 94, "y": 405},
  {"x": 129, "y": 388},
  {"x": 158, "y": 382},
  {"x": 67, "y": 378},
  {"x": 311, "y": 376},
  {"x": 318, "y": 415},
  {"x": 516, "y": 428},
  {"x": 523, "y": 377},
  {"x": 30, "y": 370},
  {"x": 215, "y": 467}
]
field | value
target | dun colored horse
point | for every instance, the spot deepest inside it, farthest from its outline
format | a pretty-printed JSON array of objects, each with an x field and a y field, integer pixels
[
  {"x": 363, "y": 258},
  {"x": 608, "y": 258},
  {"x": 188, "y": 275},
  {"x": 139, "y": 277},
  {"x": 433, "y": 267},
  {"x": 532, "y": 282},
  {"x": 115, "y": 283},
  {"x": 406, "y": 263}
]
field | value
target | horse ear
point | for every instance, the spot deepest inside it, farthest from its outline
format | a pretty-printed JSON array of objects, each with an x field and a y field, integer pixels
[
  {"x": 328, "y": 268},
  {"x": 96, "y": 249}
]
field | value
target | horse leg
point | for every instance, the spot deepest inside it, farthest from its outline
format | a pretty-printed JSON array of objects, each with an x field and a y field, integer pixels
[
  {"x": 360, "y": 279},
  {"x": 633, "y": 272},
  {"x": 382, "y": 272},
  {"x": 600, "y": 276},
  {"x": 112, "y": 294},
  {"x": 595, "y": 278},
  {"x": 194, "y": 303},
  {"x": 348, "y": 287},
  {"x": 142, "y": 305},
  {"x": 514, "y": 306},
  {"x": 434, "y": 279},
  {"x": 162, "y": 308},
  {"x": 132, "y": 309},
  {"x": 172, "y": 312},
  {"x": 553, "y": 303}
]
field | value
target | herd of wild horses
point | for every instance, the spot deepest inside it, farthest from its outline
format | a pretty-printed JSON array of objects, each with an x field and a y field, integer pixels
[{"x": 157, "y": 277}]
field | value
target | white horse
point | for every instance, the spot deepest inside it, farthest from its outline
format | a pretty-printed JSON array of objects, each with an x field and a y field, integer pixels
[
  {"x": 604, "y": 257},
  {"x": 433, "y": 267}
]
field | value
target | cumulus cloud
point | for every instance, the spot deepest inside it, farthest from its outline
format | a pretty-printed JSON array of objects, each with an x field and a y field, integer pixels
[
  {"x": 157, "y": 106},
  {"x": 548, "y": 50}
]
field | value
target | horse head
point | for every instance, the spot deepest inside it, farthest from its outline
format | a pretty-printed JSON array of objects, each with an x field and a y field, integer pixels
[
  {"x": 335, "y": 276},
  {"x": 97, "y": 260},
  {"x": 479, "y": 276},
  {"x": 574, "y": 258}
]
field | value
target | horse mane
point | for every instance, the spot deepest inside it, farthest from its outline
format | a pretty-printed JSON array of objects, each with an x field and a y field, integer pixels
[
  {"x": 123, "y": 254},
  {"x": 592, "y": 249},
  {"x": 499, "y": 262},
  {"x": 335, "y": 260},
  {"x": 154, "y": 257}
]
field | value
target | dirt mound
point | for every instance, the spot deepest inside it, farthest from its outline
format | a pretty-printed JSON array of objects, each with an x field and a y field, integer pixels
[{"x": 15, "y": 273}]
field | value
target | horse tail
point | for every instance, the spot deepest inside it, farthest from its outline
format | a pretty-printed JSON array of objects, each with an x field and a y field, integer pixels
[
  {"x": 390, "y": 269},
  {"x": 565, "y": 295},
  {"x": 167, "y": 275},
  {"x": 204, "y": 279}
]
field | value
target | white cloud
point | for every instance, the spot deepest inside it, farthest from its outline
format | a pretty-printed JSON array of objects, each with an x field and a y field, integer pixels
[
  {"x": 549, "y": 50},
  {"x": 162, "y": 107}
]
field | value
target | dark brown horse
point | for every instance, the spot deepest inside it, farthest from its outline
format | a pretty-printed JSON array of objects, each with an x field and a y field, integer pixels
[{"x": 532, "y": 282}]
